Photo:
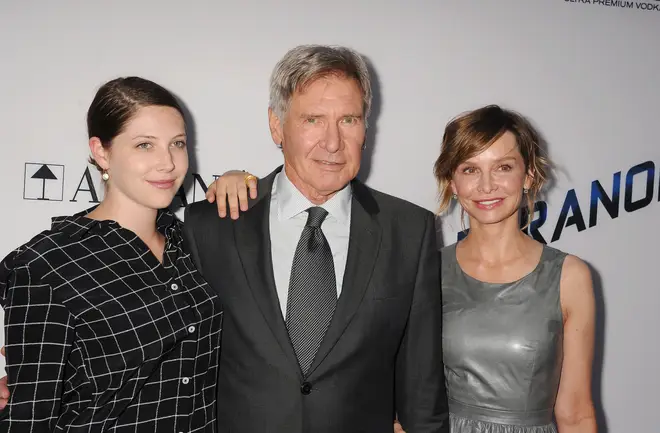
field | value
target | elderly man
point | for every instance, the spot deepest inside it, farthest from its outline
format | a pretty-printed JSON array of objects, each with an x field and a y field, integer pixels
[{"x": 331, "y": 289}]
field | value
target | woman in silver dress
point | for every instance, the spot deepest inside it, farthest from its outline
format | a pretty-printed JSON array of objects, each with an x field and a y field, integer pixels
[{"x": 519, "y": 316}]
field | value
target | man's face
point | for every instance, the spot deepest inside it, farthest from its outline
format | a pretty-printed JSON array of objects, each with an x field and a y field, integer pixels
[{"x": 322, "y": 136}]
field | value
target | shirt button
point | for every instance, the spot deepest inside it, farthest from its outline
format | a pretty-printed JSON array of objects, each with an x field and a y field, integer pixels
[
  {"x": 174, "y": 286},
  {"x": 306, "y": 388},
  {"x": 191, "y": 329},
  {"x": 185, "y": 381}
]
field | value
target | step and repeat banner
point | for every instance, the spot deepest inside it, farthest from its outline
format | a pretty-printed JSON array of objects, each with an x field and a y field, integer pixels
[{"x": 585, "y": 72}]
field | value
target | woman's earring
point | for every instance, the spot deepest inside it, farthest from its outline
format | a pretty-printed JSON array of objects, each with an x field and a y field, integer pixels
[
  {"x": 525, "y": 190},
  {"x": 105, "y": 176},
  {"x": 454, "y": 196}
]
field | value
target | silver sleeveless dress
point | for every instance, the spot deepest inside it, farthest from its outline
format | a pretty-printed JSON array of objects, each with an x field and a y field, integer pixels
[{"x": 502, "y": 348}]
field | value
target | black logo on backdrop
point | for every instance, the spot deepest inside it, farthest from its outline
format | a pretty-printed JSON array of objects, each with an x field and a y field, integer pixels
[{"x": 43, "y": 181}]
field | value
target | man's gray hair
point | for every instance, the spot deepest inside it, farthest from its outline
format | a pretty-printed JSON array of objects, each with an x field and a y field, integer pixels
[{"x": 305, "y": 63}]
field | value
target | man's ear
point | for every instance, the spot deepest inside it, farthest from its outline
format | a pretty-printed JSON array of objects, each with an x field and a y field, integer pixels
[{"x": 275, "y": 125}]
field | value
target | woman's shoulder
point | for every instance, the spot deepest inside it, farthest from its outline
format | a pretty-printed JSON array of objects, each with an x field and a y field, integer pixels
[
  {"x": 448, "y": 248},
  {"x": 447, "y": 256},
  {"x": 44, "y": 250},
  {"x": 576, "y": 274},
  {"x": 570, "y": 264},
  {"x": 27, "y": 264},
  {"x": 576, "y": 287},
  {"x": 36, "y": 251},
  {"x": 574, "y": 267}
]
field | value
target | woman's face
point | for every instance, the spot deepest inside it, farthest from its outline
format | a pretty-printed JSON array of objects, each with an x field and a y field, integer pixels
[
  {"x": 148, "y": 161},
  {"x": 490, "y": 185}
]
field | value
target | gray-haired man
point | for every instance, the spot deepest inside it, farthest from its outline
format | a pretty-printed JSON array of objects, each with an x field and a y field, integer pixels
[{"x": 331, "y": 289}]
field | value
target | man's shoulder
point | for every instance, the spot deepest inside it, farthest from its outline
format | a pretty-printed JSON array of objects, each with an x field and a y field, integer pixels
[
  {"x": 389, "y": 204},
  {"x": 202, "y": 212}
]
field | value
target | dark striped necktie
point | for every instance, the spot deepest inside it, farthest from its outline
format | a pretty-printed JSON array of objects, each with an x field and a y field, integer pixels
[{"x": 312, "y": 290}]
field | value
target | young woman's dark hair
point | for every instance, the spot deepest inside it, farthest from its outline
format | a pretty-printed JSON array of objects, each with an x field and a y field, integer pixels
[{"x": 118, "y": 100}]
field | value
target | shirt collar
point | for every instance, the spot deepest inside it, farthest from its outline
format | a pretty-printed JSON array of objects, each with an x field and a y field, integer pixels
[
  {"x": 291, "y": 202},
  {"x": 78, "y": 225}
]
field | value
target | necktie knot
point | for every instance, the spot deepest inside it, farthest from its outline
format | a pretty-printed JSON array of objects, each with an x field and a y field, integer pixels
[{"x": 315, "y": 216}]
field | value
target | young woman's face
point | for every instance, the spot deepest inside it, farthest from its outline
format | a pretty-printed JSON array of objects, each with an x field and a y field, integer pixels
[{"x": 148, "y": 161}]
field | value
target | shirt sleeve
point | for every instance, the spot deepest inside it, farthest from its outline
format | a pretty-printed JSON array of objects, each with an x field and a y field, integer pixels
[{"x": 38, "y": 336}]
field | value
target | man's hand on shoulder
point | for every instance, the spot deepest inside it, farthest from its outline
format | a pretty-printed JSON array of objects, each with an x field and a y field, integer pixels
[{"x": 232, "y": 187}]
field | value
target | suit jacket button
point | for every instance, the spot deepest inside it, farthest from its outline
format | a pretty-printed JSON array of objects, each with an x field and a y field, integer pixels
[{"x": 306, "y": 388}]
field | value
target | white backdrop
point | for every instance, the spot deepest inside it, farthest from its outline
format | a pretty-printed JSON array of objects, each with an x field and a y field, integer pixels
[{"x": 584, "y": 71}]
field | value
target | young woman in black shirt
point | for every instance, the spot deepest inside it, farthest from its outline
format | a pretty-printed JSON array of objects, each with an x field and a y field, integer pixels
[{"x": 108, "y": 325}]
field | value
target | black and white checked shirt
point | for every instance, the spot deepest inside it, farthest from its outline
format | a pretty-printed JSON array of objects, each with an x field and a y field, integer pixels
[{"x": 100, "y": 336}]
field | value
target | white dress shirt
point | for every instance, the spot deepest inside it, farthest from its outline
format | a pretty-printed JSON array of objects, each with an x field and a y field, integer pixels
[{"x": 287, "y": 219}]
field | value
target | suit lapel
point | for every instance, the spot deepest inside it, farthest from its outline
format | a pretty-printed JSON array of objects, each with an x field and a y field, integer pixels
[
  {"x": 252, "y": 231},
  {"x": 363, "y": 247}
]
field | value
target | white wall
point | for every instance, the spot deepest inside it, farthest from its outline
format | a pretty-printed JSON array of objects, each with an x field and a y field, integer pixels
[{"x": 586, "y": 73}]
